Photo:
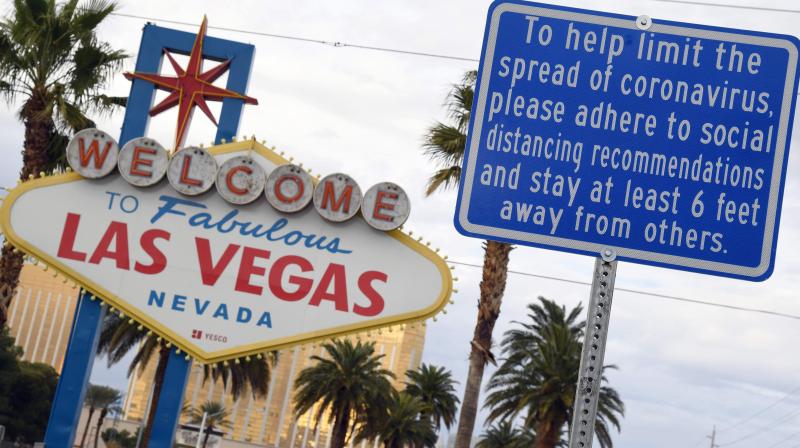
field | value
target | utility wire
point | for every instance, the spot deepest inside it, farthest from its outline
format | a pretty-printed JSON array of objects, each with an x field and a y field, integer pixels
[
  {"x": 725, "y": 5},
  {"x": 772, "y": 405},
  {"x": 336, "y": 44},
  {"x": 783, "y": 419},
  {"x": 643, "y": 292},
  {"x": 784, "y": 439}
]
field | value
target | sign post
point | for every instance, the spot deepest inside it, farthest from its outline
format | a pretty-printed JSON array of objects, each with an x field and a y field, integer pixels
[
  {"x": 78, "y": 361},
  {"x": 641, "y": 140},
  {"x": 590, "y": 372}
]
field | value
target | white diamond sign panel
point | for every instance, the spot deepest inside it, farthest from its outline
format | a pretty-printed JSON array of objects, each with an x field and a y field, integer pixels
[{"x": 218, "y": 280}]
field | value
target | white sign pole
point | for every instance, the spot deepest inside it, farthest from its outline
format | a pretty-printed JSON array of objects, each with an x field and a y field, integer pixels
[
  {"x": 594, "y": 347},
  {"x": 200, "y": 434}
]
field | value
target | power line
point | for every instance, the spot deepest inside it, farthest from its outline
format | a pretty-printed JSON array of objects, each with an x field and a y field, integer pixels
[
  {"x": 783, "y": 419},
  {"x": 724, "y": 5},
  {"x": 784, "y": 439},
  {"x": 643, "y": 292},
  {"x": 329, "y": 43},
  {"x": 772, "y": 405}
]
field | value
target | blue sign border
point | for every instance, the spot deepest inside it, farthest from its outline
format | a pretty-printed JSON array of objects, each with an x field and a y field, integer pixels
[{"x": 759, "y": 273}]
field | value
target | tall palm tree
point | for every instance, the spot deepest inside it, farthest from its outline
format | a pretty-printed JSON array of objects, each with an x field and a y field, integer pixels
[
  {"x": 110, "y": 403},
  {"x": 53, "y": 62},
  {"x": 118, "y": 336},
  {"x": 216, "y": 416},
  {"x": 97, "y": 397},
  {"x": 445, "y": 144},
  {"x": 349, "y": 382},
  {"x": 500, "y": 435},
  {"x": 405, "y": 425},
  {"x": 435, "y": 388},
  {"x": 537, "y": 377}
]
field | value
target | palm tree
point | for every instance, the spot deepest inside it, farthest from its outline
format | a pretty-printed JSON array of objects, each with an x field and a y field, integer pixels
[
  {"x": 405, "y": 425},
  {"x": 435, "y": 388},
  {"x": 538, "y": 376},
  {"x": 216, "y": 416},
  {"x": 97, "y": 397},
  {"x": 445, "y": 144},
  {"x": 110, "y": 403},
  {"x": 118, "y": 336},
  {"x": 51, "y": 59},
  {"x": 350, "y": 383},
  {"x": 500, "y": 435}
]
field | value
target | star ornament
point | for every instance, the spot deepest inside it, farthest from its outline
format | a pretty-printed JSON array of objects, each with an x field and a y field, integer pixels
[{"x": 191, "y": 87}]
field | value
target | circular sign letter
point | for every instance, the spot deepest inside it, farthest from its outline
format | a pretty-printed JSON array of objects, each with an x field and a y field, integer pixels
[
  {"x": 92, "y": 153},
  {"x": 143, "y": 162},
  {"x": 337, "y": 197},
  {"x": 289, "y": 188},
  {"x": 386, "y": 206},
  {"x": 240, "y": 180},
  {"x": 192, "y": 171}
]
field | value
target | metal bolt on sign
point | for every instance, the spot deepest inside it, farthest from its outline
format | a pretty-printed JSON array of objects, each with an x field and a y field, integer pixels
[{"x": 594, "y": 348}]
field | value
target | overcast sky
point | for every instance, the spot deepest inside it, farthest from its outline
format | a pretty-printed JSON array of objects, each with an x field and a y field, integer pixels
[{"x": 682, "y": 367}]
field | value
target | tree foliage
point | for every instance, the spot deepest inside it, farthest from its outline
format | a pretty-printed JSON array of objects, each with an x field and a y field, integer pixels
[
  {"x": 537, "y": 378},
  {"x": 52, "y": 62},
  {"x": 26, "y": 393},
  {"x": 114, "y": 438},
  {"x": 435, "y": 388},
  {"x": 405, "y": 425},
  {"x": 349, "y": 383},
  {"x": 213, "y": 415}
]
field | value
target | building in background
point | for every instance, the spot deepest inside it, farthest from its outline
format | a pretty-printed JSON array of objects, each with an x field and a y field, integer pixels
[
  {"x": 270, "y": 421},
  {"x": 40, "y": 316}
]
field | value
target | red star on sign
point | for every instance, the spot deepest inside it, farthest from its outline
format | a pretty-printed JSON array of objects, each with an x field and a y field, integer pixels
[{"x": 190, "y": 87}]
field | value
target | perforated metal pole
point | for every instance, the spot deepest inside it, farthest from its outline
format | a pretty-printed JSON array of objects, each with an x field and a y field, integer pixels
[{"x": 594, "y": 348}]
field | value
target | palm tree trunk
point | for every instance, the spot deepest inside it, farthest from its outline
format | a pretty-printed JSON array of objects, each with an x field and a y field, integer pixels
[
  {"x": 493, "y": 285},
  {"x": 86, "y": 427},
  {"x": 103, "y": 414},
  {"x": 39, "y": 132},
  {"x": 207, "y": 435},
  {"x": 339, "y": 433},
  {"x": 548, "y": 434},
  {"x": 158, "y": 382}
]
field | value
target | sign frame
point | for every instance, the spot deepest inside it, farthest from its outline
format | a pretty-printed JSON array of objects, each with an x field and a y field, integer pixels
[
  {"x": 239, "y": 351},
  {"x": 658, "y": 259}
]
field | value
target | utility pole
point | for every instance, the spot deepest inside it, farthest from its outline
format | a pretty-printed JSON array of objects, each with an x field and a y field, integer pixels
[{"x": 713, "y": 437}]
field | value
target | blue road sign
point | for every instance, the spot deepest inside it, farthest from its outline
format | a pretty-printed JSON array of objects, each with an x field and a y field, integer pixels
[{"x": 666, "y": 142}]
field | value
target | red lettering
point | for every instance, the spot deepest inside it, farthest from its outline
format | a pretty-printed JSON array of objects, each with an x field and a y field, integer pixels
[
  {"x": 334, "y": 274},
  {"x": 229, "y": 179},
  {"x": 276, "y": 278},
  {"x": 376, "y": 300},
  {"x": 137, "y": 161},
  {"x": 330, "y": 195},
  {"x": 116, "y": 234},
  {"x": 248, "y": 268},
  {"x": 282, "y": 197},
  {"x": 185, "y": 179},
  {"x": 93, "y": 152},
  {"x": 158, "y": 260},
  {"x": 209, "y": 272},
  {"x": 67, "y": 244},
  {"x": 380, "y": 205}
]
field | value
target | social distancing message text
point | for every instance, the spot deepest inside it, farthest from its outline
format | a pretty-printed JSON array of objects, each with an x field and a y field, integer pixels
[{"x": 669, "y": 141}]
